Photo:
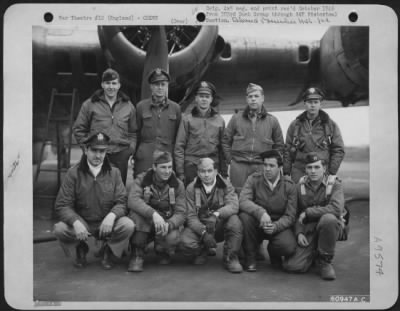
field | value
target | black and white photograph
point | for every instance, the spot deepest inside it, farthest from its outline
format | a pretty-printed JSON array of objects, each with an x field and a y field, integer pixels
[{"x": 204, "y": 156}]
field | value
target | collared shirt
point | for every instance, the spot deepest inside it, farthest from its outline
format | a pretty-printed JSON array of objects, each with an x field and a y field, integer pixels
[
  {"x": 95, "y": 170},
  {"x": 208, "y": 189},
  {"x": 273, "y": 185}
]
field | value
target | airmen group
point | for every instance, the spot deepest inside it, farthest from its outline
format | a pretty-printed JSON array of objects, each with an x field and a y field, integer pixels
[{"x": 198, "y": 182}]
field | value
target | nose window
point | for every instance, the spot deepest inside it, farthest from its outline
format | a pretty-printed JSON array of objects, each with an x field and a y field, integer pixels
[
  {"x": 226, "y": 52},
  {"x": 304, "y": 53}
]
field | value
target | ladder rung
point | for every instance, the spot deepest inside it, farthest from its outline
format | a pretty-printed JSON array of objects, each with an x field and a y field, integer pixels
[
  {"x": 59, "y": 119},
  {"x": 90, "y": 74},
  {"x": 63, "y": 94},
  {"x": 45, "y": 196},
  {"x": 53, "y": 170},
  {"x": 55, "y": 144}
]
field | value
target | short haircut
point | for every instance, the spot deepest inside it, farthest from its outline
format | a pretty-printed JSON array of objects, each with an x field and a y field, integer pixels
[
  {"x": 252, "y": 87},
  {"x": 272, "y": 154},
  {"x": 160, "y": 157},
  {"x": 323, "y": 162},
  {"x": 202, "y": 160}
]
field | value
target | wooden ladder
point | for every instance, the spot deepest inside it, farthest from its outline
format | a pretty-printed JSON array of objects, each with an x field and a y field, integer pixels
[{"x": 55, "y": 101}]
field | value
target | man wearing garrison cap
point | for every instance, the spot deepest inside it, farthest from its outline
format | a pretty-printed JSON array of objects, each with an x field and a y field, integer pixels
[
  {"x": 157, "y": 205},
  {"x": 312, "y": 131},
  {"x": 322, "y": 219},
  {"x": 248, "y": 134},
  {"x": 109, "y": 110},
  {"x": 158, "y": 120},
  {"x": 200, "y": 135},
  {"x": 267, "y": 205},
  {"x": 92, "y": 202}
]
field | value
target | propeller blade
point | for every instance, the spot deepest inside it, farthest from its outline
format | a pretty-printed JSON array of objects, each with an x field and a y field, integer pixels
[{"x": 156, "y": 57}]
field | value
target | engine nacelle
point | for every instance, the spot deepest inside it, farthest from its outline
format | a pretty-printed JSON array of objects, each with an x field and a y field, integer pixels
[{"x": 344, "y": 57}]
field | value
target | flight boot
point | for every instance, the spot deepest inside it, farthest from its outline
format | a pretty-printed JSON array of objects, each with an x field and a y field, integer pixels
[
  {"x": 136, "y": 261},
  {"x": 232, "y": 264},
  {"x": 251, "y": 265},
  {"x": 201, "y": 259},
  {"x": 326, "y": 270},
  {"x": 212, "y": 252},
  {"x": 163, "y": 258},
  {"x": 106, "y": 262},
  {"x": 260, "y": 255},
  {"x": 81, "y": 250},
  {"x": 276, "y": 261}
]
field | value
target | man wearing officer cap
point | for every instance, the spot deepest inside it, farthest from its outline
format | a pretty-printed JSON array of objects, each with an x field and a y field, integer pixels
[
  {"x": 109, "y": 110},
  {"x": 158, "y": 121},
  {"x": 312, "y": 131},
  {"x": 157, "y": 205},
  {"x": 248, "y": 134},
  {"x": 200, "y": 135},
  {"x": 92, "y": 202},
  {"x": 321, "y": 221},
  {"x": 267, "y": 205}
]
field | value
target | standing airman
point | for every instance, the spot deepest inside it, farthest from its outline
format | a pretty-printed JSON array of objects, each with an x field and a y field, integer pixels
[
  {"x": 158, "y": 120},
  {"x": 200, "y": 135},
  {"x": 247, "y": 135},
  {"x": 312, "y": 131}
]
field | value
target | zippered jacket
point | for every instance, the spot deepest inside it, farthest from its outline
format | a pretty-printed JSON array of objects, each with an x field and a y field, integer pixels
[
  {"x": 118, "y": 122},
  {"x": 243, "y": 143},
  {"x": 83, "y": 196}
]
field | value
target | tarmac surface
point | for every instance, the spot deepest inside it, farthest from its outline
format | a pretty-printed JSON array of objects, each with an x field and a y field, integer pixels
[{"x": 56, "y": 279}]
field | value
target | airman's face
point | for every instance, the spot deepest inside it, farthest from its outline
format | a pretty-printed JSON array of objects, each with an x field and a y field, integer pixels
[
  {"x": 315, "y": 171},
  {"x": 95, "y": 156},
  {"x": 271, "y": 169},
  {"x": 163, "y": 170},
  {"x": 111, "y": 88},
  {"x": 255, "y": 100},
  {"x": 207, "y": 173},
  {"x": 203, "y": 101},
  {"x": 159, "y": 89},
  {"x": 313, "y": 106}
]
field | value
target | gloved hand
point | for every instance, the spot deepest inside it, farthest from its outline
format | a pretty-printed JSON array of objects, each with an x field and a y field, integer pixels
[
  {"x": 211, "y": 224},
  {"x": 209, "y": 241}
]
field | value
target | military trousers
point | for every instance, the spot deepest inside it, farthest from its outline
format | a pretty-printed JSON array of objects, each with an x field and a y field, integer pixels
[
  {"x": 239, "y": 171},
  {"x": 190, "y": 172},
  {"x": 162, "y": 244},
  {"x": 228, "y": 230},
  {"x": 298, "y": 171},
  {"x": 118, "y": 241},
  {"x": 322, "y": 240},
  {"x": 120, "y": 160},
  {"x": 280, "y": 244}
]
